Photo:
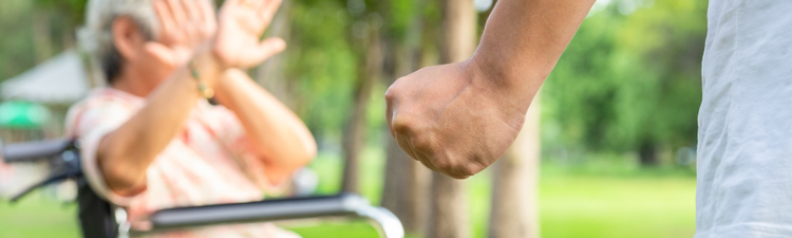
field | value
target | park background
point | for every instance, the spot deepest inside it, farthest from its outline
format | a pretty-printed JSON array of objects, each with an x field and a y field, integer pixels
[{"x": 615, "y": 134}]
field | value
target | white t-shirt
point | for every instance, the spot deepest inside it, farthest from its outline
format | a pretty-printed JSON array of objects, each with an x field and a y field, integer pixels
[{"x": 745, "y": 121}]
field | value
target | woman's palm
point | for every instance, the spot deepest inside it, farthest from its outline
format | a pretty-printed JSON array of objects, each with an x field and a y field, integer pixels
[{"x": 241, "y": 24}]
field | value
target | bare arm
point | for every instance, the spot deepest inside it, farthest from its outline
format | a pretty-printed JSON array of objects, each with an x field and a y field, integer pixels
[
  {"x": 524, "y": 39},
  {"x": 280, "y": 138},
  {"x": 460, "y": 118},
  {"x": 125, "y": 154}
]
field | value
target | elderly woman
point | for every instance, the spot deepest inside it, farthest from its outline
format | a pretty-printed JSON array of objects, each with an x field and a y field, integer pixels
[{"x": 150, "y": 140}]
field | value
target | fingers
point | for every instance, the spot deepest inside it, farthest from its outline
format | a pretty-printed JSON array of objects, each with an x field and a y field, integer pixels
[
  {"x": 255, "y": 4},
  {"x": 166, "y": 18},
  {"x": 192, "y": 9},
  {"x": 163, "y": 53},
  {"x": 259, "y": 13},
  {"x": 185, "y": 22},
  {"x": 177, "y": 11},
  {"x": 193, "y": 23},
  {"x": 265, "y": 50},
  {"x": 208, "y": 16},
  {"x": 405, "y": 143},
  {"x": 389, "y": 114},
  {"x": 267, "y": 11},
  {"x": 391, "y": 102}
]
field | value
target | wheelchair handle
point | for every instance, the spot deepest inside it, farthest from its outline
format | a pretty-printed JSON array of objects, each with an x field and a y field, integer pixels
[
  {"x": 62, "y": 155},
  {"x": 345, "y": 204},
  {"x": 33, "y": 151}
]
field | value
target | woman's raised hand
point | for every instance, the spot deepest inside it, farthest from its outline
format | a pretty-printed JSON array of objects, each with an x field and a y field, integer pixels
[
  {"x": 241, "y": 24},
  {"x": 185, "y": 25}
]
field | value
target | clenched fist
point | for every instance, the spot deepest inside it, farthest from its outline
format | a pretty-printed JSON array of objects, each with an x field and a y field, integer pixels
[{"x": 453, "y": 119}]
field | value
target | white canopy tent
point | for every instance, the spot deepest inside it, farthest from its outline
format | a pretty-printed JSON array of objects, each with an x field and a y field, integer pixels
[{"x": 60, "y": 80}]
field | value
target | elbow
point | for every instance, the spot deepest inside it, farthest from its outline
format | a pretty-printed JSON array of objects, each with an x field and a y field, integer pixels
[
  {"x": 303, "y": 154},
  {"x": 291, "y": 156},
  {"x": 121, "y": 179},
  {"x": 281, "y": 169},
  {"x": 124, "y": 184},
  {"x": 308, "y": 152}
]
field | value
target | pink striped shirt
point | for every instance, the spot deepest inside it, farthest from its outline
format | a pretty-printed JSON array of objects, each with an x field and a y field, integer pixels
[{"x": 209, "y": 162}]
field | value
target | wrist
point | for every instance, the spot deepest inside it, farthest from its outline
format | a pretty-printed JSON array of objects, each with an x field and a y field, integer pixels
[
  {"x": 513, "y": 94},
  {"x": 230, "y": 84},
  {"x": 208, "y": 67},
  {"x": 513, "y": 84}
]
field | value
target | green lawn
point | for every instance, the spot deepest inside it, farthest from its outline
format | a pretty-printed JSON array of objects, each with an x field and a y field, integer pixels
[{"x": 618, "y": 207}]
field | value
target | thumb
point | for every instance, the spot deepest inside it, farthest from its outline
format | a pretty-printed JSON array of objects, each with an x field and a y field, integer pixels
[
  {"x": 265, "y": 50},
  {"x": 161, "y": 52}
]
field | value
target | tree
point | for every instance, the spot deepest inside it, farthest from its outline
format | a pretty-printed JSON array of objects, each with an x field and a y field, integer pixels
[
  {"x": 448, "y": 206},
  {"x": 365, "y": 34},
  {"x": 406, "y": 187},
  {"x": 514, "y": 210},
  {"x": 629, "y": 81}
]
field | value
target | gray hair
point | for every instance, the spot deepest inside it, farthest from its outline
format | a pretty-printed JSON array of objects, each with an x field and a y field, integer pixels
[{"x": 100, "y": 15}]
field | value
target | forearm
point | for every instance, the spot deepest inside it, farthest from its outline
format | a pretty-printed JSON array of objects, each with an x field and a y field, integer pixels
[
  {"x": 125, "y": 154},
  {"x": 280, "y": 138},
  {"x": 524, "y": 39}
]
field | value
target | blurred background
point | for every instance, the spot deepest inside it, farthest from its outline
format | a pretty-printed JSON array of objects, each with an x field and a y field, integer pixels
[{"x": 609, "y": 150}]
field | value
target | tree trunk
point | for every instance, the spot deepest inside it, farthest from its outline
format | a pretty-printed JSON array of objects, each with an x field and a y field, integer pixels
[
  {"x": 515, "y": 180},
  {"x": 406, "y": 188},
  {"x": 647, "y": 155},
  {"x": 449, "y": 217},
  {"x": 355, "y": 133},
  {"x": 42, "y": 36}
]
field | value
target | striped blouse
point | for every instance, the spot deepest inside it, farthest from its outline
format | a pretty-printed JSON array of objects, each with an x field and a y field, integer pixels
[{"x": 208, "y": 162}]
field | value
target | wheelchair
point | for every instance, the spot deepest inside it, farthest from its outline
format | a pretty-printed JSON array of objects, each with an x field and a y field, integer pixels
[{"x": 99, "y": 219}]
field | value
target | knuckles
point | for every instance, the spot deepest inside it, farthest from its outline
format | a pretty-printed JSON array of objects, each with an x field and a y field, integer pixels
[
  {"x": 402, "y": 125},
  {"x": 459, "y": 167},
  {"x": 452, "y": 168},
  {"x": 393, "y": 92}
]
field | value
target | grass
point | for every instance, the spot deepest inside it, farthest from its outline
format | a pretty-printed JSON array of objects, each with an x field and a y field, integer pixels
[
  {"x": 37, "y": 216},
  {"x": 617, "y": 207},
  {"x": 576, "y": 201}
]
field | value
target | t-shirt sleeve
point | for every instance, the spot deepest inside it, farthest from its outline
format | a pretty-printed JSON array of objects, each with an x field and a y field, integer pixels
[{"x": 89, "y": 123}]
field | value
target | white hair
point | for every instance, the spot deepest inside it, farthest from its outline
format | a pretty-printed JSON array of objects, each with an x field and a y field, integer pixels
[{"x": 100, "y": 15}]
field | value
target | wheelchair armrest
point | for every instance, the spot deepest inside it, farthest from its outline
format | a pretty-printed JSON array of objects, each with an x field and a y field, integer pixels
[
  {"x": 349, "y": 205},
  {"x": 33, "y": 151}
]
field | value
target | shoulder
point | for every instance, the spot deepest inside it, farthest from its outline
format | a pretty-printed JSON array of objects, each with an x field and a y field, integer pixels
[
  {"x": 108, "y": 97},
  {"x": 100, "y": 103}
]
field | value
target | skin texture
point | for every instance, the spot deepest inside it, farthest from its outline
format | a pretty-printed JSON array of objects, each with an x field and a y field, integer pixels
[
  {"x": 460, "y": 118},
  {"x": 156, "y": 70}
]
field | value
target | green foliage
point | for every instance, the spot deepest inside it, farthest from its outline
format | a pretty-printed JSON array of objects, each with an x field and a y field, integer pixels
[
  {"x": 74, "y": 9},
  {"x": 629, "y": 80},
  {"x": 322, "y": 63},
  {"x": 18, "y": 42},
  {"x": 17, "y": 52}
]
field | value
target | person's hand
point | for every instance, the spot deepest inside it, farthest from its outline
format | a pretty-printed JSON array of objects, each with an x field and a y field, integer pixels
[
  {"x": 452, "y": 119},
  {"x": 185, "y": 26},
  {"x": 241, "y": 23}
]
